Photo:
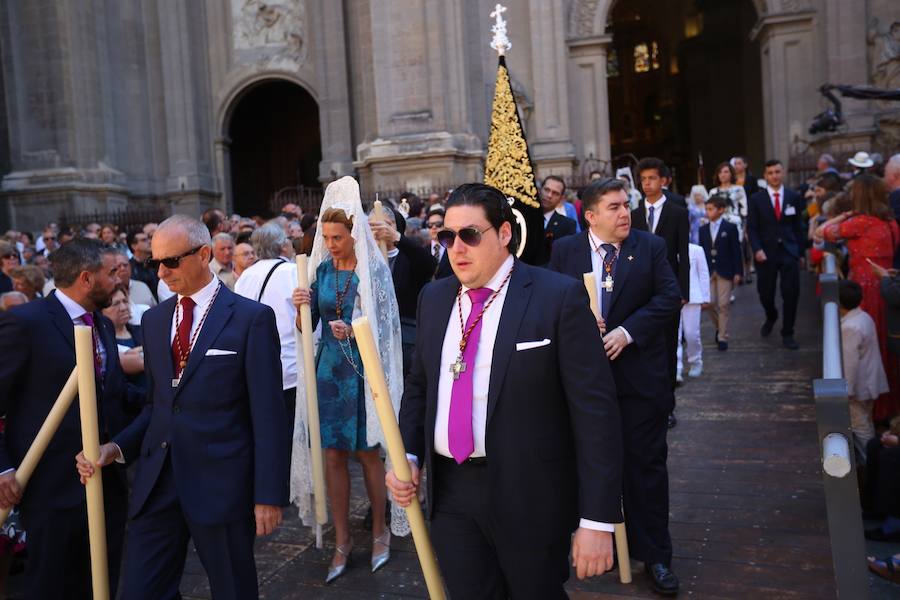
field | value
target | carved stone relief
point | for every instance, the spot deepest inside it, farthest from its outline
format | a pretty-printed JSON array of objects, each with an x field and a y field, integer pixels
[
  {"x": 884, "y": 53},
  {"x": 269, "y": 31}
]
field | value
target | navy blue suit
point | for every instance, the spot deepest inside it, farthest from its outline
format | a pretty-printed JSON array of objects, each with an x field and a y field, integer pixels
[
  {"x": 557, "y": 227},
  {"x": 645, "y": 299},
  {"x": 784, "y": 242},
  {"x": 552, "y": 440},
  {"x": 207, "y": 450},
  {"x": 727, "y": 260},
  {"x": 37, "y": 343}
]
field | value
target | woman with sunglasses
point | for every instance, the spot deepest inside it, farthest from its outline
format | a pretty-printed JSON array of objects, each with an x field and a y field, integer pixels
[{"x": 349, "y": 278}]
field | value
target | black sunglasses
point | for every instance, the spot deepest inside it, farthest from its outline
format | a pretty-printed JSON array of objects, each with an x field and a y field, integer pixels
[
  {"x": 470, "y": 236},
  {"x": 173, "y": 262},
  {"x": 436, "y": 225}
]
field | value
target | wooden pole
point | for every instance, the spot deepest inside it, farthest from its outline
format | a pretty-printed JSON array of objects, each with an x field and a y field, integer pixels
[
  {"x": 304, "y": 339},
  {"x": 45, "y": 434},
  {"x": 590, "y": 284},
  {"x": 378, "y": 212},
  {"x": 374, "y": 372},
  {"x": 90, "y": 439}
]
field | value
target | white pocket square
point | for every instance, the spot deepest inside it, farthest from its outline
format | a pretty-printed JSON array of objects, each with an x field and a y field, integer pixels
[
  {"x": 529, "y": 345},
  {"x": 215, "y": 352},
  {"x": 789, "y": 211}
]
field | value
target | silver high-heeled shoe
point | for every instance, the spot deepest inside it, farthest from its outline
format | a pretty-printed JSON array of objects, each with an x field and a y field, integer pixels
[
  {"x": 337, "y": 571},
  {"x": 381, "y": 558}
]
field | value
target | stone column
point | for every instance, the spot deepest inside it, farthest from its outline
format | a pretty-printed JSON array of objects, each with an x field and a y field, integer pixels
[
  {"x": 790, "y": 86},
  {"x": 589, "y": 97},
  {"x": 549, "y": 137}
]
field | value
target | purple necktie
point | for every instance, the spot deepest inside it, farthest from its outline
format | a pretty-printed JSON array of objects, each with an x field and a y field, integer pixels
[
  {"x": 459, "y": 430},
  {"x": 98, "y": 360}
]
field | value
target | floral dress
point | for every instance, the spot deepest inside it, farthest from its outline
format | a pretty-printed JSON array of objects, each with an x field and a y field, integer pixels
[
  {"x": 872, "y": 238},
  {"x": 342, "y": 399}
]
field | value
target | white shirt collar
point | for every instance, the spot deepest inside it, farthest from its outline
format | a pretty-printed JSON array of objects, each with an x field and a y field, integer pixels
[
  {"x": 656, "y": 205},
  {"x": 779, "y": 190},
  {"x": 596, "y": 242},
  {"x": 498, "y": 277},
  {"x": 205, "y": 294},
  {"x": 74, "y": 310}
]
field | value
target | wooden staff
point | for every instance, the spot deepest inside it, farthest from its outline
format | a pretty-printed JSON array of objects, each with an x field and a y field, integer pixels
[
  {"x": 44, "y": 435},
  {"x": 590, "y": 284},
  {"x": 304, "y": 339},
  {"x": 378, "y": 212},
  {"x": 375, "y": 375},
  {"x": 90, "y": 440}
]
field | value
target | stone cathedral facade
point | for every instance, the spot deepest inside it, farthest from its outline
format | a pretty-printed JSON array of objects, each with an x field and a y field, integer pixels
[{"x": 107, "y": 104}]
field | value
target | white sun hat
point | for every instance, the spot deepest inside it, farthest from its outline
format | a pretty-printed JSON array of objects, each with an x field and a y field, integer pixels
[{"x": 861, "y": 160}]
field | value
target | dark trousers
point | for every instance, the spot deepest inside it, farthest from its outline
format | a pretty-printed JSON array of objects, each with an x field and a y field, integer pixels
[
  {"x": 157, "y": 546},
  {"x": 646, "y": 480},
  {"x": 767, "y": 273},
  {"x": 883, "y": 478},
  {"x": 478, "y": 562},
  {"x": 59, "y": 559},
  {"x": 290, "y": 405},
  {"x": 671, "y": 337}
]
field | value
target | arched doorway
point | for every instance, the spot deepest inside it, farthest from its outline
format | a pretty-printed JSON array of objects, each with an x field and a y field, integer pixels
[
  {"x": 685, "y": 82},
  {"x": 275, "y": 143}
]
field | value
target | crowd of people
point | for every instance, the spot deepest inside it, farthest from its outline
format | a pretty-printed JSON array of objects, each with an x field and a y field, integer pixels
[{"x": 201, "y": 381}]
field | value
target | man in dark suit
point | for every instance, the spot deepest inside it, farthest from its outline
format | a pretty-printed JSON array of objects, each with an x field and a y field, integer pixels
[
  {"x": 556, "y": 226},
  {"x": 638, "y": 295},
  {"x": 721, "y": 245},
  {"x": 37, "y": 343},
  {"x": 778, "y": 239},
  {"x": 213, "y": 443},
  {"x": 668, "y": 220},
  {"x": 520, "y": 434}
]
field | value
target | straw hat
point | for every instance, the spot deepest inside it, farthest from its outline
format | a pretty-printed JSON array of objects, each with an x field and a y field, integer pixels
[{"x": 861, "y": 160}]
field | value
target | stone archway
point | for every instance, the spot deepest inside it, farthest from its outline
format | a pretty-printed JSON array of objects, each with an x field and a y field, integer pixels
[{"x": 271, "y": 140}]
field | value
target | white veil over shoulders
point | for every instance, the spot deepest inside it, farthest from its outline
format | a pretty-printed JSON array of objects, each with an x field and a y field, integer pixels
[{"x": 379, "y": 303}]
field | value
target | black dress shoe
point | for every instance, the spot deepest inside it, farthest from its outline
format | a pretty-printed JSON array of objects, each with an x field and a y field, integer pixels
[
  {"x": 790, "y": 343},
  {"x": 766, "y": 328},
  {"x": 723, "y": 346},
  {"x": 717, "y": 336},
  {"x": 664, "y": 580},
  {"x": 672, "y": 420}
]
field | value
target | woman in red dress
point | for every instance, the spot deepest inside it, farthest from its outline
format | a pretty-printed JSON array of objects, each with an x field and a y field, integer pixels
[{"x": 871, "y": 233}]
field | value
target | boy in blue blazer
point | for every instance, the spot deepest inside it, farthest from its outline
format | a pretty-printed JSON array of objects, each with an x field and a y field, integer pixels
[{"x": 722, "y": 247}]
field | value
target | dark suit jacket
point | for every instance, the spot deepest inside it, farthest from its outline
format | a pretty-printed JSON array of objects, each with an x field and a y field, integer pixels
[
  {"x": 553, "y": 437},
  {"x": 674, "y": 226},
  {"x": 37, "y": 343},
  {"x": 224, "y": 428},
  {"x": 444, "y": 269},
  {"x": 768, "y": 234},
  {"x": 558, "y": 227},
  {"x": 728, "y": 260},
  {"x": 411, "y": 269},
  {"x": 645, "y": 300},
  {"x": 675, "y": 198}
]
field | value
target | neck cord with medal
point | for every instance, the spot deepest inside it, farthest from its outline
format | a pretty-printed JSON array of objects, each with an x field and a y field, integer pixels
[
  {"x": 185, "y": 354},
  {"x": 340, "y": 295},
  {"x": 459, "y": 366},
  {"x": 607, "y": 283}
]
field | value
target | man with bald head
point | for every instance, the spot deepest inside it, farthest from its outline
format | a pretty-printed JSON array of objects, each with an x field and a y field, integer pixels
[{"x": 213, "y": 442}]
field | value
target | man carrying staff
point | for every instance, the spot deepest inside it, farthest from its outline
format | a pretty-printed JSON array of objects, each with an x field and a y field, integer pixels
[
  {"x": 213, "y": 442},
  {"x": 37, "y": 343},
  {"x": 520, "y": 433}
]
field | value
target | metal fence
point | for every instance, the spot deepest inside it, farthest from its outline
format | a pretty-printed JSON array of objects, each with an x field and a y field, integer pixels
[
  {"x": 848, "y": 549},
  {"x": 122, "y": 219}
]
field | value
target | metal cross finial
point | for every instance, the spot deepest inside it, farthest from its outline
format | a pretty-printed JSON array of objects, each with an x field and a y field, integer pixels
[{"x": 500, "y": 43}]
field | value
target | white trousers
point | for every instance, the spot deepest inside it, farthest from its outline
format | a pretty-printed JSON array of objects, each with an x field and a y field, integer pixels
[{"x": 689, "y": 327}]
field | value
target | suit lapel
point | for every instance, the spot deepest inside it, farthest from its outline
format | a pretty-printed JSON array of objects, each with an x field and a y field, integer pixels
[
  {"x": 61, "y": 320},
  {"x": 623, "y": 268},
  {"x": 517, "y": 296},
  {"x": 642, "y": 213},
  {"x": 218, "y": 317},
  {"x": 442, "y": 309},
  {"x": 583, "y": 253}
]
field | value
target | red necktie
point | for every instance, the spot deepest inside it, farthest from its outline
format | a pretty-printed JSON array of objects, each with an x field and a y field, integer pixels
[
  {"x": 181, "y": 345},
  {"x": 777, "y": 206}
]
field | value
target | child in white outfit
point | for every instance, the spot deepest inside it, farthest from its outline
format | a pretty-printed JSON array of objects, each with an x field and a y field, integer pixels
[{"x": 690, "y": 314}]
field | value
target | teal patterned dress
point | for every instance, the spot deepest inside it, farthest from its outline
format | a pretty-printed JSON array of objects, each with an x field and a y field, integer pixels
[{"x": 342, "y": 398}]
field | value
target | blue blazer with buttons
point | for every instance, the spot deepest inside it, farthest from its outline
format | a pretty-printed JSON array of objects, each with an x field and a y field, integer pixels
[
  {"x": 724, "y": 257},
  {"x": 224, "y": 428}
]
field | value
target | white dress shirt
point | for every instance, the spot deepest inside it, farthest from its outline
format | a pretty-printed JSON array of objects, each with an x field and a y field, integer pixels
[
  {"x": 657, "y": 209},
  {"x": 202, "y": 299},
  {"x": 439, "y": 249},
  {"x": 277, "y": 295},
  {"x": 597, "y": 257},
  {"x": 772, "y": 192},
  {"x": 714, "y": 230},
  {"x": 481, "y": 376}
]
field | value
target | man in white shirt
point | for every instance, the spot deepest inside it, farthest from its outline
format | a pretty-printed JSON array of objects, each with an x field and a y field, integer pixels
[{"x": 520, "y": 434}]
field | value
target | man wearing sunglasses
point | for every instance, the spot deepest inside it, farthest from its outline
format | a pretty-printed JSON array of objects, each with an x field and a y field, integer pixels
[
  {"x": 638, "y": 297},
  {"x": 522, "y": 452},
  {"x": 212, "y": 443}
]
